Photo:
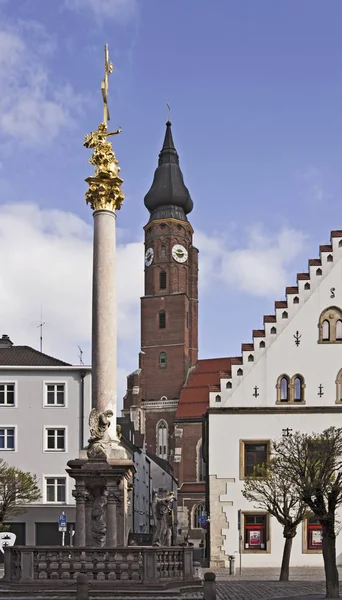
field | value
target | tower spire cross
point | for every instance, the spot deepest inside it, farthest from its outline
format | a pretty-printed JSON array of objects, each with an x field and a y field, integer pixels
[{"x": 108, "y": 68}]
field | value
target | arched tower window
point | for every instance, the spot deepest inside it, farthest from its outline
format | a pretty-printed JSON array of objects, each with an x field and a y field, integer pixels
[
  {"x": 200, "y": 464},
  {"x": 330, "y": 325},
  {"x": 297, "y": 390},
  {"x": 162, "y": 280},
  {"x": 163, "y": 252},
  {"x": 162, "y": 360},
  {"x": 283, "y": 389},
  {"x": 197, "y": 512},
  {"x": 162, "y": 319},
  {"x": 162, "y": 439}
]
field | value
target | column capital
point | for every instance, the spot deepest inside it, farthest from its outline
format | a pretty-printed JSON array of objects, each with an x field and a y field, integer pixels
[
  {"x": 80, "y": 495},
  {"x": 113, "y": 496}
]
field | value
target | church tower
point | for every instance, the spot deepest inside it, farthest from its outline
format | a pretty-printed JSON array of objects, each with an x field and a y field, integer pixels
[{"x": 169, "y": 307}]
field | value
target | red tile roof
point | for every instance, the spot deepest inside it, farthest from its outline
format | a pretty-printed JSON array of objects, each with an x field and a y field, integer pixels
[{"x": 194, "y": 397}]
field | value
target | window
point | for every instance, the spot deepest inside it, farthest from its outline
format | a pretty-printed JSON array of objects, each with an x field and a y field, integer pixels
[
  {"x": 252, "y": 454},
  {"x": 307, "y": 286},
  {"x": 330, "y": 325},
  {"x": 283, "y": 388},
  {"x": 55, "y": 394},
  {"x": 162, "y": 435},
  {"x": 7, "y": 438},
  {"x": 55, "y": 439},
  {"x": 163, "y": 252},
  {"x": 330, "y": 258},
  {"x": 314, "y": 533},
  {"x": 162, "y": 319},
  {"x": 326, "y": 330},
  {"x": 273, "y": 330},
  {"x": 251, "y": 358},
  {"x": 197, "y": 513},
  {"x": 262, "y": 344},
  {"x": 339, "y": 330},
  {"x": 7, "y": 394},
  {"x": 162, "y": 360},
  {"x": 229, "y": 385},
  {"x": 285, "y": 315},
  {"x": 55, "y": 489},
  {"x": 318, "y": 271},
  {"x": 162, "y": 280},
  {"x": 339, "y": 386},
  {"x": 298, "y": 388},
  {"x": 239, "y": 372},
  {"x": 218, "y": 398},
  {"x": 340, "y": 244},
  {"x": 200, "y": 464},
  {"x": 255, "y": 532}
]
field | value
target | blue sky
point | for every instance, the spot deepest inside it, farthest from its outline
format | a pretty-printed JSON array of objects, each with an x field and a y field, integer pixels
[{"x": 256, "y": 93}]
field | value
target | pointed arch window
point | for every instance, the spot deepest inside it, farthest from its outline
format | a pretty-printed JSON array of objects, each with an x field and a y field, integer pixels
[
  {"x": 162, "y": 280},
  {"x": 162, "y": 439},
  {"x": 283, "y": 389},
  {"x": 330, "y": 325},
  {"x": 298, "y": 388},
  {"x": 162, "y": 319},
  {"x": 197, "y": 512},
  {"x": 162, "y": 360},
  {"x": 339, "y": 330}
]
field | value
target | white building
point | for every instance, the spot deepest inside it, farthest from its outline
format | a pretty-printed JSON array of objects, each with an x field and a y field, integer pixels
[
  {"x": 289, "y": 378},
  {"x": 44, "y": 409}
]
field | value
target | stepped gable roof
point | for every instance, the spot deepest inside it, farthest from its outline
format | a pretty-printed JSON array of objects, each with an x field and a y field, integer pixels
[
  {"x": 25, "y": 356},
  {"x": 194, "y": 396}
]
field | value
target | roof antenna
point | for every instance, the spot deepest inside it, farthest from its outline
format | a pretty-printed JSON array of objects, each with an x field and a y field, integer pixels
[
  {"x": 41, "y": 325},
  {"x": 80, "y": 356}
]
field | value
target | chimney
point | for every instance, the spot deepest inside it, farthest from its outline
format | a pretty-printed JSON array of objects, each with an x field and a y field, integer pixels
[{"x": 5, "y": 341}]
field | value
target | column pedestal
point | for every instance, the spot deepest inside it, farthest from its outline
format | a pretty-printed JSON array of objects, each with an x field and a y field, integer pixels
[{"x": 98, "y": 499}]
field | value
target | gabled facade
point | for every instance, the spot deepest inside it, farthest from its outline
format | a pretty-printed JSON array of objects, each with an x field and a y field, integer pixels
[{"x": 288, "y": 379}]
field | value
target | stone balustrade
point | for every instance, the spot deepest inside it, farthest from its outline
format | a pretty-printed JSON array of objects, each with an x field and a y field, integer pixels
[{"x": 124, "y": 565}]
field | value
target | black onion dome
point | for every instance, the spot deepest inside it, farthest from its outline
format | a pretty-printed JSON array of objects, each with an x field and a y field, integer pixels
[{"x": 168, "y": 195}]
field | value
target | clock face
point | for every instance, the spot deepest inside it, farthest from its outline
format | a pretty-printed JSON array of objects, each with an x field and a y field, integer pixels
[
  {"x": 179, "y": 253},
  {"x": 149, "y": 257}
]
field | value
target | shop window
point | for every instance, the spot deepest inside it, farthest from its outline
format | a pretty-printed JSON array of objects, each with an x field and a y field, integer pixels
[
  {"x": 252, "y": 454},
  {"x": 330, "y": 325},
  {"x": 255, "y": 532}
]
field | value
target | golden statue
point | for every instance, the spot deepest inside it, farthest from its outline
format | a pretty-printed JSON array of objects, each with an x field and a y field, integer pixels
[{"x": 105, "y": 187}]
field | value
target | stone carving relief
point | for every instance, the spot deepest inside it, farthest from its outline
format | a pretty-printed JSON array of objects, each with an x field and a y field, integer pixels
[
  {"x": 99, "y": 443},
  {"x": 98, "y": 521}
]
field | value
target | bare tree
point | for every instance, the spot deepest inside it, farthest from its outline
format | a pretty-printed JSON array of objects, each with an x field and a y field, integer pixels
[
  {"x": 312, "y": 464},
  {"x": 17, "y": 488},
  {"x": 271, "y": 491}
]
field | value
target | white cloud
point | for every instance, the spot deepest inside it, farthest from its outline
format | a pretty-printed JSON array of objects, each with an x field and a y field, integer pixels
[
  {"x": 32, "y": 108},
  {"x": 257, "y": 267},
  {"x": 112, "y": 9},
  {"x": 47, "y": 257},
  {"x": 315, "y": 191}
]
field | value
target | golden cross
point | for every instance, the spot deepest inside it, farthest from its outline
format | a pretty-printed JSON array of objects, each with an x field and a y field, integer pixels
[{"x": 104, "y": 85}]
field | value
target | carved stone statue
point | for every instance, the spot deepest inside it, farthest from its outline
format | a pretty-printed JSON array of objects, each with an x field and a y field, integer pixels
[
  {"x": 98, "y": 521},
  {"x": 162, "y": 512},
  {"x": 99, "y": 443}
]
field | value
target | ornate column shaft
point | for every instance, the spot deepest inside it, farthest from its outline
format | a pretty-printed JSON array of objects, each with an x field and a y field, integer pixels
[
  {"x": 104, "y": 316},
  {"x": 80, "y": 526}
]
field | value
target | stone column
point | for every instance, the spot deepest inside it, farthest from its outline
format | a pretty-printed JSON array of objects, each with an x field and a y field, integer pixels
[
  {"x": 88, "y": 509},
  {"x": 104, "y": 316},
  {"x": 80, "y": 526},
  {"x": 111, "y": 517}
]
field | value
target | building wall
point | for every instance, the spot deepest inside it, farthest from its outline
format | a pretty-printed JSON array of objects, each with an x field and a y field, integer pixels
[
  {"x": 142, "y": 493},
  {"x": 225, "y": 484},
  {"x": 30, "y": 417}
]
